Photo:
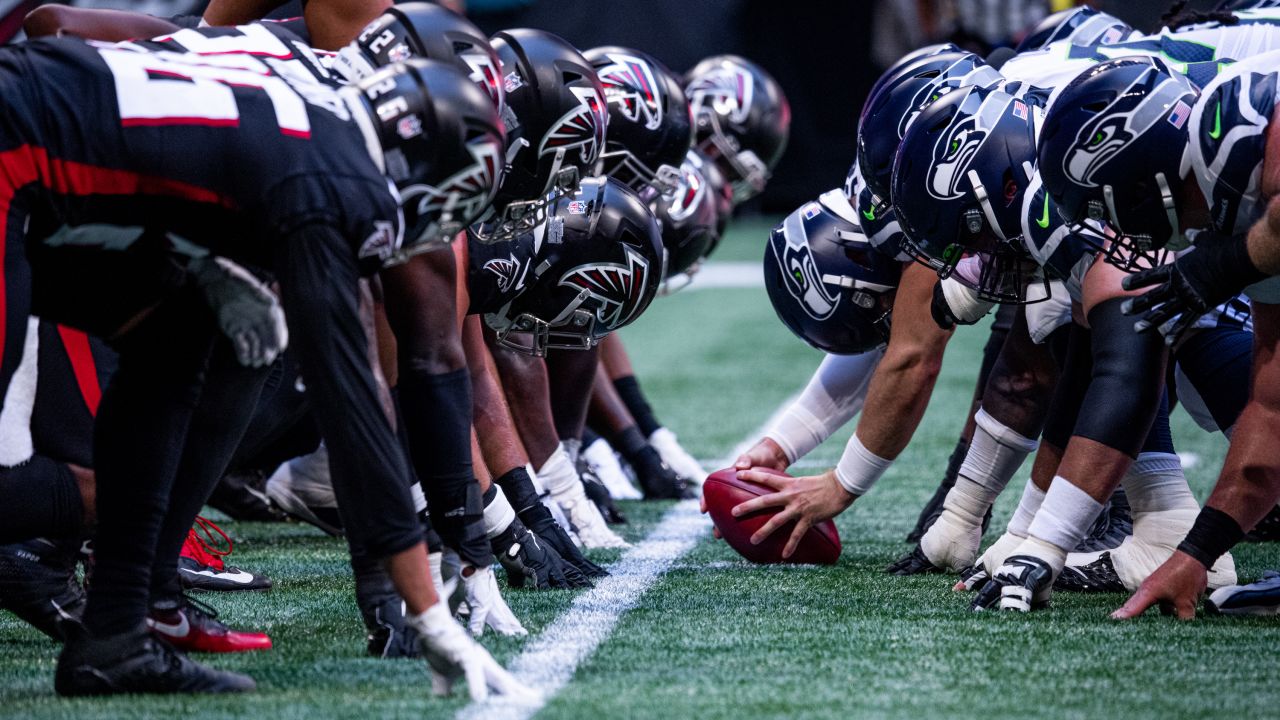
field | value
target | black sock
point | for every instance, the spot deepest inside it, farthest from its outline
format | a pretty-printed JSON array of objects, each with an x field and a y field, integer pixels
[
  {"x": 629, "y": 390},
  {"x": 39, "y": 498},
  {"x": 630, "y": 443}
]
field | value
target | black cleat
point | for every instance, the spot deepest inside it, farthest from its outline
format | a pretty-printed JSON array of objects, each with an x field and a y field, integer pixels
[
  {"x": 1110, "y": 528},
  {"x": 1267, "y": 529},
  {"x": 243, "y": 496},
  {"x": 38, "y": 584},
  {"x": 136, "y": 662},
  {"x": 1096, "y": 576},
  {"x": 913, "y": 563}
]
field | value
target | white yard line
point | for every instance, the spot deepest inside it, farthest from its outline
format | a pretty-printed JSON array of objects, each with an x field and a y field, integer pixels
[
  {"x": 729, "y": 274},
  {"x": 549, "y": 661}
]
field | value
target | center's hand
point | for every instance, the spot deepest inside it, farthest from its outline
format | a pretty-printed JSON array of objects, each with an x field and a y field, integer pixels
[{"x": 806, "y": 500}]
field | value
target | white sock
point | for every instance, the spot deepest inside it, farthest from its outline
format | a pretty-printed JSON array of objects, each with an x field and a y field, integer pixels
[
  {"x": 1064, "y": 516},
  {"x": 995, "y": 454},
  {"x": 436, "y": 560},
  {"x": 1028, "y": 506},
  {"x": 498, "y": 514}
]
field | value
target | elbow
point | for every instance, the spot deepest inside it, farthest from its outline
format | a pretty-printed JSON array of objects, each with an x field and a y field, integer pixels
[{"x": 47, "y": 20}]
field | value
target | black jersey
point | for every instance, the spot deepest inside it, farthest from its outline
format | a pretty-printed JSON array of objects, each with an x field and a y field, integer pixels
[
  {"x": 226, "y": 150},
  {"x": 285, "y": 45}
]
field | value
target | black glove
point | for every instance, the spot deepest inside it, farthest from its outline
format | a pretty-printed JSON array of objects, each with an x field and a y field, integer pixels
[
  {"x": 538, "y": 519},
  {"x": 913, "y": 563},
  {"x": 940, "y": 310},
  {"x": 1215, "y": 271},
  {"x": 528, "y": 560}
]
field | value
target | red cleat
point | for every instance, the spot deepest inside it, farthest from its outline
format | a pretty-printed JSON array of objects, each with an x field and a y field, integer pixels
[
  {"x": 196, "y": 628},
  {"x": 201, "y": 565}
]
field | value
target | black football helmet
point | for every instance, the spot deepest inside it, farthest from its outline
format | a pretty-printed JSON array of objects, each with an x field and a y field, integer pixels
[
  {"x": 741, "y": 120},
  {"x": 555, "y": 118},
  {"x": 1081, "y": 26},
  {"x": 427, "y": 30},
  {"x": 886, "y": 115},
  {"x": 1111, "y": 150},
  {"x": 721, "y": 192},
  {"x": 826, "y": 282},
  {"x": 689, "y": 221},
  {"x": 650, "y": 129},
  {"x": 596, "y": 266},
  {"x": 441, "y": 145},
  {"x": 959, "y": 180}
]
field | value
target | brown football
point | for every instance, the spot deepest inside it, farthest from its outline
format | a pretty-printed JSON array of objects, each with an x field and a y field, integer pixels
[{"x": 723, "y": 490}]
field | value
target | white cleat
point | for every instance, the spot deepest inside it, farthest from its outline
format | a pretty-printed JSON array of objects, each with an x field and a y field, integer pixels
[
  {"x": 676, "y": 457},
  {"x": 599, "y": 456}
]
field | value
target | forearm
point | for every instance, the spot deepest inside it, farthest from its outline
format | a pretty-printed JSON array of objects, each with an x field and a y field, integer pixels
[
  {"x": 835, "y": 394},
  {"x": 1264, "y": 240},
  {"x": 498, "y": 442},
  {"x": 94, "y": 24},
  {"x": 607, "y": 413},
  {"x": 238, "y": 12},
  {"x": 528, "y": 398}
]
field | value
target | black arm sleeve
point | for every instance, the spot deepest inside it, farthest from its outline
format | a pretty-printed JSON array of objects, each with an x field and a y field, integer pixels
[{"x": 320, "y": 291}]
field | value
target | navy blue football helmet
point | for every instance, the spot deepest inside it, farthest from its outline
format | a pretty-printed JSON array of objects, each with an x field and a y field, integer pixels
[
  {"x": 1080, "y": 26},
  {"x": 826, "y": 282},
  {"x": 958, "y": 183},
  {"x": 1111, "y": 150},
  {"x": 886, "y": 115}
]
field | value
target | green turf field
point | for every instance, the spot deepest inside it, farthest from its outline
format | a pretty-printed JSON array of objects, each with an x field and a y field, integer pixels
[{"x": 718, "y": 638}]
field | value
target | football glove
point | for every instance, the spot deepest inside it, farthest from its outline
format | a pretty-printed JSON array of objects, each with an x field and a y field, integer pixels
[
  {"x": 559, "y": 477},
  {"x": 452, "y": 656},
  {"x": 913, "y": 563},
  {"x": 247, "y": 312},
  {"x": 539, "y": 520},
  {"x": 487, "y": 606},
  {"x": 599, "y": 494},
  {"x": 1196, "y": 282},
  {"x": 1023, "y": 583},
  {"x": 657, "y": 478},
  {"x": 527, "y": 560}
]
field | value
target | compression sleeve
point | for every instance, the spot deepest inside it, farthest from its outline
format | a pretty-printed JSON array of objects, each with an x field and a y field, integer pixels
[{"x": 833, "y": 396}]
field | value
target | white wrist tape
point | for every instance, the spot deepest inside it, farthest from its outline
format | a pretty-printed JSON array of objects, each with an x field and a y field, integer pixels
[
  {"x": 833, "y": 396},
  {"x": 1065, "y": 515},
  {"x": 498, "y": 514},
  {"x": 859, "y": 468},
  {"x": 558, "y": 474},
  {"x": 995, "y": 454},
  {"x": 1028, "y": 506},
  {"x": 966, "y": 307}
]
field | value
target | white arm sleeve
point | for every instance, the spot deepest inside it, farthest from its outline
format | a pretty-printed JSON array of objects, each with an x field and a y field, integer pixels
[{"x": 833, "y": 396}]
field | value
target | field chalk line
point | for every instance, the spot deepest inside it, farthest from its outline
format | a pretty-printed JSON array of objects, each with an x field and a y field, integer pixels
[{"x": 550, "y": 660}]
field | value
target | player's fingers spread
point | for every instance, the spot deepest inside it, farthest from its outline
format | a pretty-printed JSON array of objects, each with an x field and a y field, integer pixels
[
  {"x": 1146, "y": 278},
  {"x": 759, "y": 503},
  {"x": 802, "y": 527},
  {"x": 772, "y": 526}
]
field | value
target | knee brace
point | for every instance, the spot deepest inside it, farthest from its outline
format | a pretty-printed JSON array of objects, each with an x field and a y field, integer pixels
[{"x": 1126, "y": 383}]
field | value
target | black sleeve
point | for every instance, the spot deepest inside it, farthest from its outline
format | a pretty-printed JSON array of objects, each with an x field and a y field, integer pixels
[{"x": 320, "y": 288}]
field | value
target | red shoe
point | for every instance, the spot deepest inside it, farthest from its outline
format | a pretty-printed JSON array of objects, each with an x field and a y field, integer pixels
[
  {"x": 200, "y": 564},
  {"x": 194, "y": 627}
]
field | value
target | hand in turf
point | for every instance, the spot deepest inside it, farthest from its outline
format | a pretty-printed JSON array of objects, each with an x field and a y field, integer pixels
[
  {"x": 806, "y": 500},
  {"x": 766, "y": 454},
  {"x": 1176, "y": 586}
]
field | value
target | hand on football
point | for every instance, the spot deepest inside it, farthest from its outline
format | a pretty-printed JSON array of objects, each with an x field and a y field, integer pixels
[
  {"x": 1176, "y": 586},
  {"x": 806, "y": 500},
  {"x": 766, "y": 453}
]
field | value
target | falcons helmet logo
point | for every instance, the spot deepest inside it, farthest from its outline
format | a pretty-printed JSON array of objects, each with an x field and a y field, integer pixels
[
  {"x": 727, "y": 91},
  {"x": 484, "y": 74},
  {"x": 629, "y": 85},
  {"x": 582, "y": 127},
  {"x": 619, "y": 289},
  {"x": 508, "y": 272},
  {"x": 467, "y": 193},
  {"x": 689, "y": 193}
]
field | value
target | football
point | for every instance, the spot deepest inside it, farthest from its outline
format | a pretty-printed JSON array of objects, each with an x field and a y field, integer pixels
[{"x": 723, "y": 490}]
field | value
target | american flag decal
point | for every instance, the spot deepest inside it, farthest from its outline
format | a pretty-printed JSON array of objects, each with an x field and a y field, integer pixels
[{"x": 620, "y": 289}]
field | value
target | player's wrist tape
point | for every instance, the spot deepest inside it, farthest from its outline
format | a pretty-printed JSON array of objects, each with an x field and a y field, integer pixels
[
  {"x": 965, "y": 305},
  {"x": 1213, "y": 534},
  {"x": 859, "y": 468},
  {"x": 498, "y": 514}
]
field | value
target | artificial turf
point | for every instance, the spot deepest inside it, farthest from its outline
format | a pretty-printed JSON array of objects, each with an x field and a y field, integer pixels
[{"x": 719, "y": 638}]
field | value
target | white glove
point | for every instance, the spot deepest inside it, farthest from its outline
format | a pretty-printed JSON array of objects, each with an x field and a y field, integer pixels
[
  {"x": 560, "y": 479},
  {"x": 452, "y": 654},
  {"x": 605, "y": 464},
  {"x": 668, "y": 447},
  {"x": 951, "y": 543},
  {"x": 248, "y": 312},
  {"x": 487, "y": 606}
]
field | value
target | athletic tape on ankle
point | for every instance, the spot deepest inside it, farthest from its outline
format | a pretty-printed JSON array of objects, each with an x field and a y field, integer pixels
[
  {"x": 995, "y": 454},
  {"x": 968, "y": 500},
  {"x": 1028, "y": 506},
  {"x": 557, "y": 473},
  {"x": 859, "y": 468},
  {"x": 1065, "y": 515},
  {"x": 1155, "y": 483},
  {"x": 498, "y": 513}
]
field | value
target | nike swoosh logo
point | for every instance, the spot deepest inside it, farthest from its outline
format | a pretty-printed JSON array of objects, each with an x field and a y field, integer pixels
[
  {"x": 239, "y": 576},
  {"x": 176, "y": 630},
  {"x": 1216, "y": 132},
  {"x": 869, "y": 214},
  {"x": 1043, "y": 222}
]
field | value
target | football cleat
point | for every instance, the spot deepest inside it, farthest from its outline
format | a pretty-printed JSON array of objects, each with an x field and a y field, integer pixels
[
  {"x": 602, "y": 461},
  {"x": 657, "y": 478},
  {"x": 136, "y": 662},
  {"x": 192, "y": 626},
  {"x": 242, "y": 496},
  {"x": 913, "y": 563},
  {"x": 1110, "y": 528},
  {"x": 675, "y": 456},
  {"x": 1261, "y": 598},
  {"x": 1089, "y": 572},
  {"x": 38, "y": 584},
  {"x": 599, "y": 494},
  {"x": 1023, "y": 583},
  {"x": 527, "y": 560},
  {"x": 302, "y": 489},
  {"x": 201, "y": 565},
  {"x": 1267, "y": 529}
]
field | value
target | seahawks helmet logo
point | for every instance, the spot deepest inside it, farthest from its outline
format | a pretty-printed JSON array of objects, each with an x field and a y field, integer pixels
[
  {"x": 799, "y": 272},
  {"x": 466, "y": 194},
  {"x": 952, "y": 155},
  {"x": 629, "y": 85},
  {"x": 727, "y": 91},
  {"x": 619, "y": 290},
  {"x": 507, "y": 271},
  {"x": 582, "y": 127}
]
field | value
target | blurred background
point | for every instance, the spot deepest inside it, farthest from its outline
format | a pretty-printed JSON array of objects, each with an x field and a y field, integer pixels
[{"x": 825, "y": 54}]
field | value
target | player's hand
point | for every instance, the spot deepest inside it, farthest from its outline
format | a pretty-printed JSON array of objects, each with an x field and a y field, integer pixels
[
  {"x": 806, "y": 500},
  {"x": 527, "y": 560},
  {"x": 248, "y": 313},
  {"x": 702, "y": 507},
  {"x": 766, "y": 454},
  {"x": 488, "y": 608},
  {"x": 452, "y": 655},
  {"x": 1176, "y": 586}
]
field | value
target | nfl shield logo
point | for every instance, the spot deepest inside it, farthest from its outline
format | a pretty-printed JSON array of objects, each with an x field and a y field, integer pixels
[{"x": 577, "y": 207}]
